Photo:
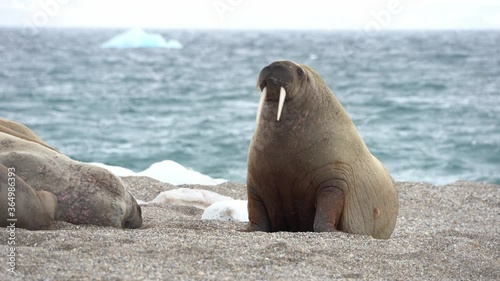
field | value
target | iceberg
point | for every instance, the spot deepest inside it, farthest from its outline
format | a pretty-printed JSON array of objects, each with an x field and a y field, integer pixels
[
  {"x": 138, "y": 38},
  {"x": 165, "y": 171}
]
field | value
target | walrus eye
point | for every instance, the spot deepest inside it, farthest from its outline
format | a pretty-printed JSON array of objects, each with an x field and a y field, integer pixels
[{"x": 300, "y": 71}]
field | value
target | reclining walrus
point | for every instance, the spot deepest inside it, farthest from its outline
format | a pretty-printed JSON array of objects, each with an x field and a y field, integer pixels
[{"x": 86, "y": 194}]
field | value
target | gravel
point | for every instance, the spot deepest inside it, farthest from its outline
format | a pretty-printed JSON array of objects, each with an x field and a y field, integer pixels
[{"x": 443, "y": 232}]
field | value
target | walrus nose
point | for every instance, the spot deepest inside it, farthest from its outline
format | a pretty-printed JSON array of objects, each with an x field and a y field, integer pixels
[{"x": 276, "y": 73}]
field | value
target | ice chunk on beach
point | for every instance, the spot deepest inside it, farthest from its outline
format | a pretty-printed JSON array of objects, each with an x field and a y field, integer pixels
[
  {"x": 198, "y": 198},
  {"x": 138, "y": 38},
  {"x": 166, "y": 171},
  {"x": 229, "y": 210}
]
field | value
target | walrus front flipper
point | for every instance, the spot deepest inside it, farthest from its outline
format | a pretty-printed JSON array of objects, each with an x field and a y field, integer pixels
[
  {"x": 329, "y": 207},
  {"x": 46, "y": 217},
  {"x": 32, "y": 210},
  {"x": 257, "y": 213}
]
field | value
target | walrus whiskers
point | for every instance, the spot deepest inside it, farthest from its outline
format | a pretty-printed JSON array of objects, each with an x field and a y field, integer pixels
[{"x": 281, "y": 102}]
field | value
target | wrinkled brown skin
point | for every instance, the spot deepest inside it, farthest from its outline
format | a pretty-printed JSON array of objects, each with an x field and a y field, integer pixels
[
  {"x": 19, "y": 130},
  {"x": 86, "y": 194},
  {"x": 311, "y": 171},
  {"x": 33, "y": 210}
]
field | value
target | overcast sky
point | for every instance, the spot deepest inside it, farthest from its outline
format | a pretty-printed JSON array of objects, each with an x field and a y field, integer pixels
[{"x": 254, "y": 14}]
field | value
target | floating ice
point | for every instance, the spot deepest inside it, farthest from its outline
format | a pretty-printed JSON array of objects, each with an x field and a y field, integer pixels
[
  {"x": 230, "y": 210},
  {"x": 198, "y": 198},
  {"x": 138, "y": 38},
  {"x": 166, "y": 171}
]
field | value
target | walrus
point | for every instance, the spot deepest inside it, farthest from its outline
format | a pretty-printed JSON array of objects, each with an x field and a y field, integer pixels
[
  {"x": 308, "y": 168},
  {"x": 86, "y": 194},
  {"x": 31, "y": 209},
  {"x": 19, "y": 130}
]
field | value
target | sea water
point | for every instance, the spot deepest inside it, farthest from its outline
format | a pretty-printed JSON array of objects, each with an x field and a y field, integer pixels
[{"x": 427, "y": 104}]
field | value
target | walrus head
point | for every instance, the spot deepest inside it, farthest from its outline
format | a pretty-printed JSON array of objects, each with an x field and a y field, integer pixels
[{"x": 280, "y": 81}]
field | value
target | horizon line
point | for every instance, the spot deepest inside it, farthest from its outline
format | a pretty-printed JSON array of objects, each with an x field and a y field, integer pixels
[{"x": 252, "y": 29}]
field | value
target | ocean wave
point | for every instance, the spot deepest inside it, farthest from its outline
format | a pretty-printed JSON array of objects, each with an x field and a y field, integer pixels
[{"x": 165, "y": 171}]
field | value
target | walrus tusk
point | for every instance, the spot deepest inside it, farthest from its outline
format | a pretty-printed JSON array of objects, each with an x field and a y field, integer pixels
[
  {"x": 261, "y": 104},
  {"x": 281, "y": 102}
]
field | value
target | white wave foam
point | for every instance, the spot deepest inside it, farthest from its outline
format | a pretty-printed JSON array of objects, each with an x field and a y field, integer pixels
[
  {"x": 165, "y": 171},
  {"x": 117, "y": 170}
]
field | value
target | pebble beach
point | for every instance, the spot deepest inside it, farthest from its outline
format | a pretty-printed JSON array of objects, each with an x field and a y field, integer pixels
[{"x": 442, "y": 232}]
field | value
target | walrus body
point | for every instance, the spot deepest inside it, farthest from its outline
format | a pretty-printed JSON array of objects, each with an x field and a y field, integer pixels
[
  {"x": 86, "y": 194},
  {"x": 19, "y": 130},
  {"x": 311, "y": 171}
]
